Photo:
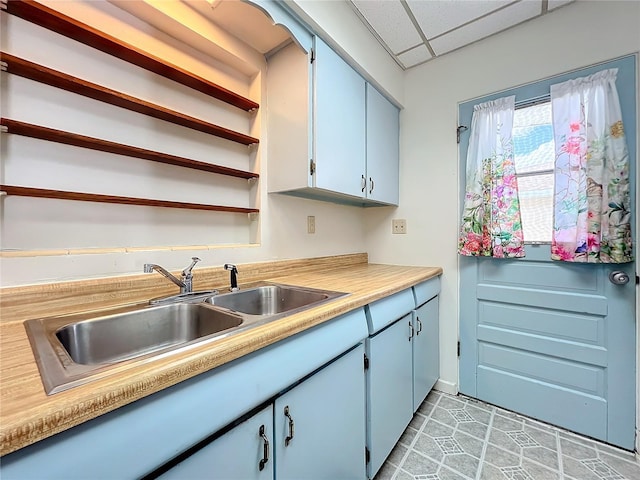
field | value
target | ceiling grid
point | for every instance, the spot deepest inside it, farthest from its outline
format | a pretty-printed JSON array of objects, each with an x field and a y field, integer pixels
[{"x": 416, "y": 31}]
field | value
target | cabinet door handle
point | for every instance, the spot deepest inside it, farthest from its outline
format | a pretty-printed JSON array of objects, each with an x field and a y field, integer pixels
[
  {"x": 287, "y": 440},
  {"x": 419, "y": 325},
  {"x": 364, "y": 183},
  {"x": 265, "y": 448},
  {"x": 410, "y": 330},
  {"x": 371, "y": 185}
]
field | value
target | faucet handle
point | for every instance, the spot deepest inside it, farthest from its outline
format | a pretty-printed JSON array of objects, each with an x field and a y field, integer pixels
[{"x": 187, "y": 271}]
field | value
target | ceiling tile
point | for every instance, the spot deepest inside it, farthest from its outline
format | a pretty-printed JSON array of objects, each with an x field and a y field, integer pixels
[
  {"x": 436, "y": 17},
  {"x": 389, "y": 19},
  {"x": 415, "y": 56},
  {"x": 498, "y": 21}
]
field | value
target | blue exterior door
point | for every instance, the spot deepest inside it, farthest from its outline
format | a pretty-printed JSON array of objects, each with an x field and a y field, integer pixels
[{"x": 553, "y": 340}]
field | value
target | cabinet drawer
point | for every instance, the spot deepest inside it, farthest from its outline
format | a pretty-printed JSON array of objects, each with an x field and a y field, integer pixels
[
  {"x": 426, "y": 290},
  {"x": 388, "y": 310}
]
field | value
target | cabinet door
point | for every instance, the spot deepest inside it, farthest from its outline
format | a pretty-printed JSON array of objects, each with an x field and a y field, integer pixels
[
  {"x": 389, "y": 392},
  {"x": 323, "y": 419},
  {"x": 383, "y": 146},
  {"x": 426, "y": 353},
  {"x": 339, "y": 126},
  {"x": 239, "y": 454}
]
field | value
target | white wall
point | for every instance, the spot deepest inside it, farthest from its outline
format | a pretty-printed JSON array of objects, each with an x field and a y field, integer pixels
[
  {"x": 575, "y": 36},
  {"x": 33, "y": 224}
]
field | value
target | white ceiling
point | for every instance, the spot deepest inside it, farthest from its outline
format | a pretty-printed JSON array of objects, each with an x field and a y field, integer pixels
[
  {"x": 416, "y": 31},
  {"x": 411, "y": 31}
]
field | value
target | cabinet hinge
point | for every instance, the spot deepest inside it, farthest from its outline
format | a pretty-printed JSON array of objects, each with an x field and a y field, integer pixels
[
  {"x": 367, "y": 455},
  {"x": 312, "y": 167},
  {"x": 366, "y": 362},
  {"x": 313, "y": 55},
  {"x": 458, "y": 348}
]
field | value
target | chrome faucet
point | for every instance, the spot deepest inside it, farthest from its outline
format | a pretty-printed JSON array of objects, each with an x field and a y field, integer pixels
[
  {"x": 234, "y": 276},
  {"x": 186, "y": 281}
]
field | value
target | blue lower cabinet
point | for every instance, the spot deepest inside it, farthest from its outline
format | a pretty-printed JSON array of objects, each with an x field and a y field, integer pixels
[
  {"x": 426, "y": 351},
  {"x": 243, "y": 453},
  {"x": 320, "y": 424},
  {"x": 315, "y": 431},
  {"x": 390, "y": 389}
]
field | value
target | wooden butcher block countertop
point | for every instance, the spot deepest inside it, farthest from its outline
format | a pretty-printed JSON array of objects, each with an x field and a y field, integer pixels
[{"x": 28, "y": 415}]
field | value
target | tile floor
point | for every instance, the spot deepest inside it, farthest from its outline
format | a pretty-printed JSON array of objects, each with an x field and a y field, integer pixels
[{"x": 459, "y": 438}]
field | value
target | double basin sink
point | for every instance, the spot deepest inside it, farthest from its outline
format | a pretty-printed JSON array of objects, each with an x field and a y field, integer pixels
[{"x": 73, "y": 350}]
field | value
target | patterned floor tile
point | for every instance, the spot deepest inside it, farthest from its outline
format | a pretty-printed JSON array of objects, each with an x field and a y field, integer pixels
[
  {"x": 408, "y": 435},
  {"x": 434, "y": 429},
  {"x": 404, "y": 476},
  {"x": 445, "y": 474},
  {"x": 448, "y": 445},
  {"x": 542, "y": 455},
  {"x": 458, "y": 438},
  {"x": 601, "y": 469},
  {"x": 417, "y": 421},
  {"x": 522, "y": 439},
  {"x": 463, "y": 463},
  {"x": 516, "y": 473},
  {"x": 540, "y": 472},
  {"x": 630, "y": 468},
  {"x": 578, "y": 451},
  {"x": 545, "y": 437},
  {"x": 470, "y": 445},
  {"x": 502, "y": 440},
  {"x": 444, "y": 416},
  {"x": 428, "y": 446},
  {"x": 417, "y": 464}
]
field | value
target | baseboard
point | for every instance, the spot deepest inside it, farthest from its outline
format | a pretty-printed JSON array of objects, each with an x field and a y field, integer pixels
[{"x": 447, "y": 387}]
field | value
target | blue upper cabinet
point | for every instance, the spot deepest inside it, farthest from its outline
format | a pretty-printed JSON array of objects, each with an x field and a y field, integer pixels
[
  {"x": 331, "y": 136},
  {"x": 339, "y": 124},
  {"x": 383, "y": 147}
]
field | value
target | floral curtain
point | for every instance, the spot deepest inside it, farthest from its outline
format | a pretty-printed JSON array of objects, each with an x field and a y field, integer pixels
[
  {"x": 491, "y": 224},
  {"x": 591, "y": 201}
]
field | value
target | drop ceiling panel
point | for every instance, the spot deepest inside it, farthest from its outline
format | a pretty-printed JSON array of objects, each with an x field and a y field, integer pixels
[
  {"x": 390, "y": 20},
  {"x": 410, "y": 58},
  {"x": 486, "y": 26},
  {"x": 439, "y": 16},
  {"x": 557, "y": 3},
  {"x": 415, "y": 31}
]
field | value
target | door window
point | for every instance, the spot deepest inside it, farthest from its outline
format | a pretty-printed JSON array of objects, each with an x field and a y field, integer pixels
[{"x": 534, "y": 156}]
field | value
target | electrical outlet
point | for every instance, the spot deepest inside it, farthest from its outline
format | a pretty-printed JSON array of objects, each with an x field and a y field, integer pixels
[
  {"x": 398, "y": 225},
  {"x": 311, "y": 224}
]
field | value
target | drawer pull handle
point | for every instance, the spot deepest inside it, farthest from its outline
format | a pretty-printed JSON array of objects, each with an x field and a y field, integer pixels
[
  {"x": 288, "y": 439},
  {"x": 265, "y": 451}
]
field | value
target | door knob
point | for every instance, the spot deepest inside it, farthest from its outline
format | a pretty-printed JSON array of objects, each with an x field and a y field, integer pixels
[{"x": 618, "y": 277}]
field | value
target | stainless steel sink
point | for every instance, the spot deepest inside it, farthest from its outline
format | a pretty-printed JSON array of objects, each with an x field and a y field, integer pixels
[
  {"x": 116, "y": 338},
  {"x": 76, "y": 349},
  {"x": 272, "y": 299}
]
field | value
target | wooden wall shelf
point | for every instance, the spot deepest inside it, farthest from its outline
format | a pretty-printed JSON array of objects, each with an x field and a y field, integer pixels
[
  {"x": 39, "y": 73},
  {"x": 93, "y": 197},
  {"x": 46, "y": 17},
  {"x": 43, "y": 133}
]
